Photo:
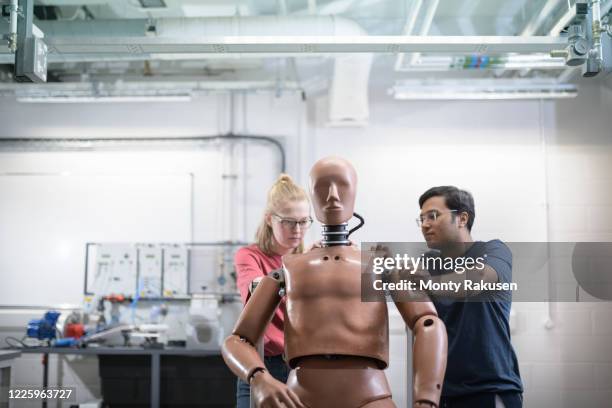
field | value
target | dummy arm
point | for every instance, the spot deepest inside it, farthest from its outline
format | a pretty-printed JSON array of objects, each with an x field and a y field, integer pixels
[
  {"x": 430, "y": 347},
  {"x": 429, "y": 350},
  {"x": 241, "y": 356},
  {"x": 238, "y": 349}
]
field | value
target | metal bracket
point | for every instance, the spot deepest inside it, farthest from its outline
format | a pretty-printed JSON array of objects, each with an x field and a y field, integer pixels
[
  {"x": 31, "y": 51},
  {"x": 584, "y": 41},
  {"x": 7, "y": 9}
]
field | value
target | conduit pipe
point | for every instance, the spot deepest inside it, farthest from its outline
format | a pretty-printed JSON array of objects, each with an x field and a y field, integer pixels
[
  {"x": 430, "y": 12},
  {"x": 414, "y": 8}
]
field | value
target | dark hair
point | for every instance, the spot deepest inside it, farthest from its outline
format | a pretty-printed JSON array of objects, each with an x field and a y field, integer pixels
[{"x": 455, "y": 199}]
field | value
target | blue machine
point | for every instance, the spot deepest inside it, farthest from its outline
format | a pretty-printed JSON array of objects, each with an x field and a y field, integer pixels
[{"x": 44, "y": 328}]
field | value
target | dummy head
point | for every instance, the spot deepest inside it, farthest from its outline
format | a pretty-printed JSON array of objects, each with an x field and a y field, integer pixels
[{"x": 333, "y": 184}]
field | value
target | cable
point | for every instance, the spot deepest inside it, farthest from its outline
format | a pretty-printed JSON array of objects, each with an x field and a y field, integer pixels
[
  {"x": 17, "y": 343},
  {"x": 361, "y": 222}
]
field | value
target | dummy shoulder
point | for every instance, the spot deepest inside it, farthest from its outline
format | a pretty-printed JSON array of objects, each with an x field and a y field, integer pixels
[{"x": 278, "y": 275}]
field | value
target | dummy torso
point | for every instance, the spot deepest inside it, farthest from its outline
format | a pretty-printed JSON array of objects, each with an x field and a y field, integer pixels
[{"x": 325, "y": 314}]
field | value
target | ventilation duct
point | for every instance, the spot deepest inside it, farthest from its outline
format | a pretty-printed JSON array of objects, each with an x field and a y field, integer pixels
[{"x": 348, "y": 91}]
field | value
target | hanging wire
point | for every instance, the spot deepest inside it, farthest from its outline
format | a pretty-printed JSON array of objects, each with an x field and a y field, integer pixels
[{"x": 361, "y": 222}]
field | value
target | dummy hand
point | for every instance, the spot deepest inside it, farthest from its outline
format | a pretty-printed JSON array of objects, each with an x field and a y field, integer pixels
[{"x": 268, "y": 392}]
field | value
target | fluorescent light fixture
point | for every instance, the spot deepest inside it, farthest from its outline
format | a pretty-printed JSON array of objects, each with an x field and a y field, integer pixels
[
  {"x": 482, "y": 62},
  {"x": 481, "y": 90},
  {"x": 103, "y": 99},
  {"x": 119, "y": 91},
  {"x": 425, "y": 95}
]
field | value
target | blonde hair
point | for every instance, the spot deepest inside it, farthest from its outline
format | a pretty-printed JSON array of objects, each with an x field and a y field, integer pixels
[{"x": 282, "y": 191}]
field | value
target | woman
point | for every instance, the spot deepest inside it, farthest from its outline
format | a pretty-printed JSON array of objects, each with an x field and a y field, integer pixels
[{"x": 281, "y": 231}]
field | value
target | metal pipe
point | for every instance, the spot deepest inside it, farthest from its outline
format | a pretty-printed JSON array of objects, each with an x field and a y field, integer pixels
[
  {"x": 282, "y": 7},
  {"x": 68, "y": 144},
  {"x": 429, "y": 16},
  {"x": 13, "y": 26},
  {"x": 412, "y": 17},
  {"x": 312, "y": 7},
  {"x": 597, "y": 50},
  {"x": 409, "y": 27},
  {"x": 536, "y": 23},
  {"x": 549, "y": 323},
  {"x": 427, "y": 22},
  {"x": 303, "y": 35},
  {"x": 563, "y": 21},
  {"x": 45, "y": 363}
]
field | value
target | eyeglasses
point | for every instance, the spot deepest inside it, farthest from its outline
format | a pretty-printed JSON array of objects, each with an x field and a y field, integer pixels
[
  {"x": 291, "y": 224},
  {"x": 431, "y": 216}
]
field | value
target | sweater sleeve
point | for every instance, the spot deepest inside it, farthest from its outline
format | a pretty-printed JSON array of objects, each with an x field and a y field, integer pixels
[{"x": 247, "y": 270}]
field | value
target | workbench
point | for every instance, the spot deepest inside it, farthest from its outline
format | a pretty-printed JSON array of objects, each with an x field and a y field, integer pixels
[{"x": 155, "y": 355}]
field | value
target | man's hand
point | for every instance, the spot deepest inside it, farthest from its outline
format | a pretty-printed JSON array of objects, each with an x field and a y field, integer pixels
[
  {"x": 268, "y": 392},
  {"x": 421, "y": 274},
  {"x": 381, "y": 250}
]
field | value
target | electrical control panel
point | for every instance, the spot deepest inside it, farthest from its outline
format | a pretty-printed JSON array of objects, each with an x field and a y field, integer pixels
[
  {"x": 175, "y": 271},
  {"x": 115, "y": 270},
  {"x": 159, "y": 270},
  {"x": 149, "y": 271}
]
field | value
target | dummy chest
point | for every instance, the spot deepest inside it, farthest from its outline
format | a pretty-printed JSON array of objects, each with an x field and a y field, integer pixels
[{"x": 323, "y": 272}]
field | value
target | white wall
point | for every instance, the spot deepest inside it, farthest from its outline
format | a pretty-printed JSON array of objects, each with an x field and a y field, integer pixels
[
  {"x": 192, "y": 186},
  {"x": 571, "y": 363},
  {"x": 519, "y": 159}
]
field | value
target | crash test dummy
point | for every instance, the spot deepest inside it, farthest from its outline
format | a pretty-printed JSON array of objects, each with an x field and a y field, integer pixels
[{"x": 336, "y": 344}]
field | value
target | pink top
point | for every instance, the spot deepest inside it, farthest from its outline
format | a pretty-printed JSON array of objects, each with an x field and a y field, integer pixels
[{"x": 251, "y": 263}]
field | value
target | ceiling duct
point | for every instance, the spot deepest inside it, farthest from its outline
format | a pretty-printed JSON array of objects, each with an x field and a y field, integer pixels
[
  {"x": 348, "y": 91},
  {"x": 125, "y": 31}
]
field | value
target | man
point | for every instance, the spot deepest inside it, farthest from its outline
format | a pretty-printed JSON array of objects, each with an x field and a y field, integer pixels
[{"x": 482, "y": 368}]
